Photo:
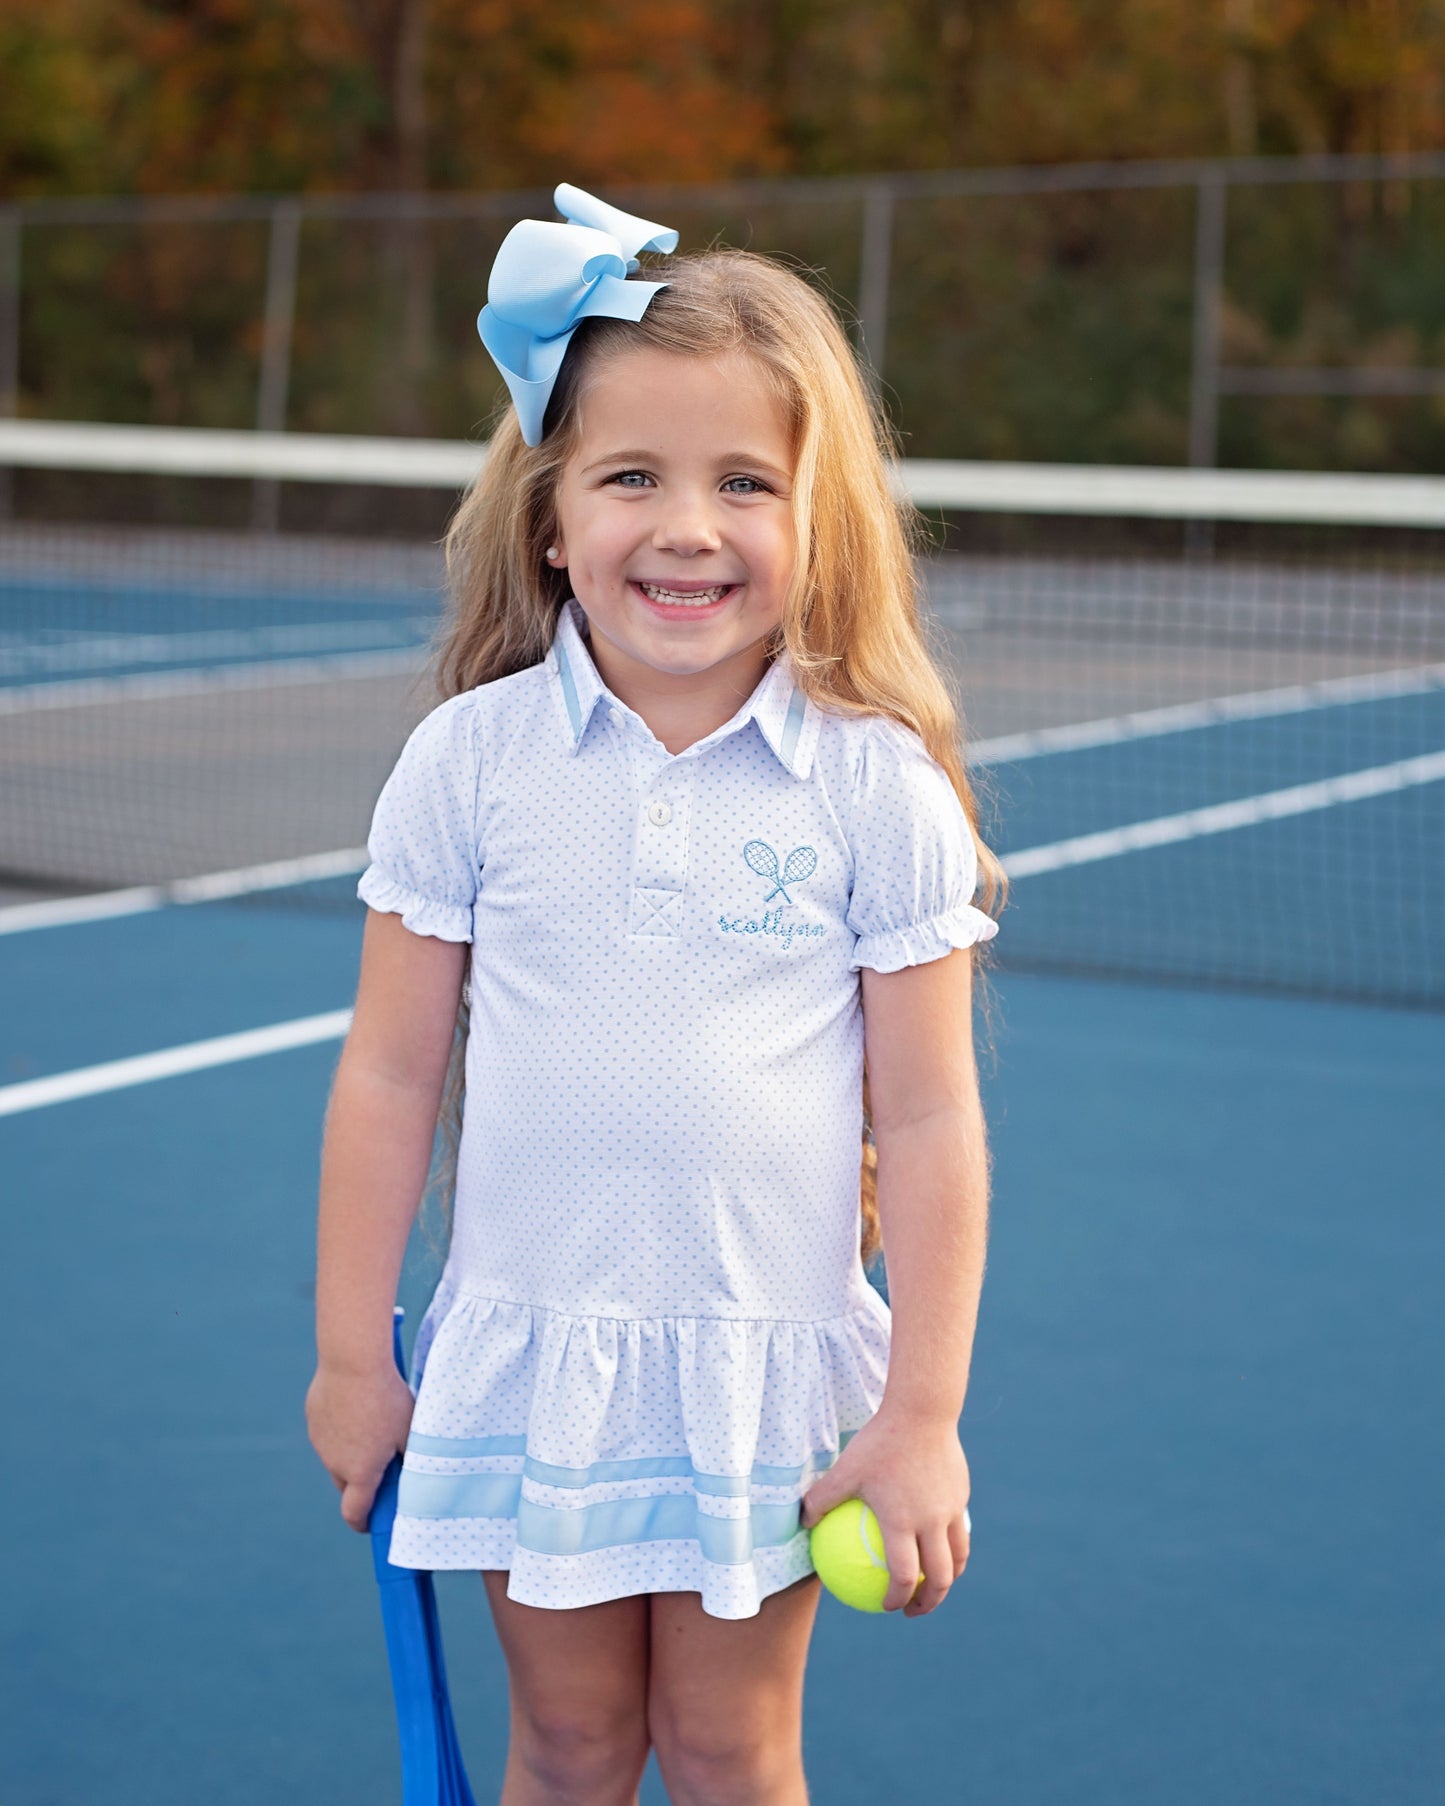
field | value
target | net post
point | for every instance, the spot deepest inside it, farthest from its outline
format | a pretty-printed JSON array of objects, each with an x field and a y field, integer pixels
[
  {"x": 9, "y": 338},
  {"x": 874, "y": 275},
  {"x": 281, "y": 259}
]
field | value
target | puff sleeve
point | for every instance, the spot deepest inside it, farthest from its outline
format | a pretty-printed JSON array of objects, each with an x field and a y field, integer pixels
[
  {"x": 914, "y": 863},
  {"x": 425, "y": 861}
]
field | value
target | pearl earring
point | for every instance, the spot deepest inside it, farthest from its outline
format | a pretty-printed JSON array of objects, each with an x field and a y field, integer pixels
[{"x": 551, "y": 551}]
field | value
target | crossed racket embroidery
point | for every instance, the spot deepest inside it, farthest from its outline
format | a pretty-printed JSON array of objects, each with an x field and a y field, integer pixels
[{"x": 801, "y": 863}]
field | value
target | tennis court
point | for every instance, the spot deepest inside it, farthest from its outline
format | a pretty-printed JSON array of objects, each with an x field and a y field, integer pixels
[{"x": 1207, "y": 1478}]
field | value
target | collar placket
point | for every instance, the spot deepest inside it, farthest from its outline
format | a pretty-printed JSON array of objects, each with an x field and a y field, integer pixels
[{"x": 662, "y": 792}]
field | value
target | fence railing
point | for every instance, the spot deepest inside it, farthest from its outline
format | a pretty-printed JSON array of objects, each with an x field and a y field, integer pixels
[{"x": 876, "y": 198}]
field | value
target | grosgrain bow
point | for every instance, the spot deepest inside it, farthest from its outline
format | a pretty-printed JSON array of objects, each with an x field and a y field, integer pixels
[{"x": 548, "y": 278}]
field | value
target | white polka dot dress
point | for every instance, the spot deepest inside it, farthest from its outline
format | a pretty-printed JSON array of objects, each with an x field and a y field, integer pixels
[{"x": 654, "y": 1329}]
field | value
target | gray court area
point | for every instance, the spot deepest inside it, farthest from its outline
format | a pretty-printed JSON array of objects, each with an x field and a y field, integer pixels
[
  {"x": 136, "y": 792},
  {"x": 157, "y": 722},
  {"x": 178, "y": 703},
  {"x": 1041, "y": 642}
]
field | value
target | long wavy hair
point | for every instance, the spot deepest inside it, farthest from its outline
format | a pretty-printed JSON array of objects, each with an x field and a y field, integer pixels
[{"x": 851, "y": 622}]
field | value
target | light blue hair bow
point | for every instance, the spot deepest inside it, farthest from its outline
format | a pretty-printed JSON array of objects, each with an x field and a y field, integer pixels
[{"x": 548, "y": 278}]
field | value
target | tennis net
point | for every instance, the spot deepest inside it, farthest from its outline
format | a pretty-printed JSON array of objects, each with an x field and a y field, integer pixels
[{"x": 1207, "y": 709}]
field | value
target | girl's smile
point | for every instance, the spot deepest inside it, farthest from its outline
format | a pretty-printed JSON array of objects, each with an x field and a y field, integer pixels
[
  {"x": 676, "y": 594},
  {"x": 675, "y": 523}
]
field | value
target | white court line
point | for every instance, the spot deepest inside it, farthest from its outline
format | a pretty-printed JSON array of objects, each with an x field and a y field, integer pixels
[
  {"x": 1217, "y": 818},
  {"x": 1110, "y": 730},
  {"x": 155, "y": 686},
  {"x": 1165, "y": 830},
  {"x": 212, "y": 887},
  {"x": 26, "y": 656},
  {"x": 1252, "y": 705},
  {"x": 195, "y": 1056},
  {"x": 62, "y": 912}
]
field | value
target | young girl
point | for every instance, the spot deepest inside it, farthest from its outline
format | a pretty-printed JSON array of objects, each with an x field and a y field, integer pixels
[{"x": 696, "y": 806}]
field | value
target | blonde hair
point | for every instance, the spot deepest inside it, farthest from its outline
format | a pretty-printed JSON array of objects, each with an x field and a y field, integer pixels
[{"x": 851, "y": 623}]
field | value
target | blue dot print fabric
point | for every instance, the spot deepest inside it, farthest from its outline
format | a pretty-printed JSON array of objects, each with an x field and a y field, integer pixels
[{"x": 654, "y": 1329}]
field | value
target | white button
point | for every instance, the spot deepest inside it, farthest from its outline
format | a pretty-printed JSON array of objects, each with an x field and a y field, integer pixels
[{"x": 659, "y": 814}]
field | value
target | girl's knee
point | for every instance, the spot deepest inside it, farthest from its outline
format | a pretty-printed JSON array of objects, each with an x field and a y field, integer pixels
[
  {"x": 578, "y": 1685},
  {"x": 710, "y": 1760},
  {"x": 591, "y": 1752}
]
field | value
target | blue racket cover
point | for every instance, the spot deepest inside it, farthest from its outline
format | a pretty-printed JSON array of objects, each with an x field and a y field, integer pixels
[{"x": 432, "y": 1773}]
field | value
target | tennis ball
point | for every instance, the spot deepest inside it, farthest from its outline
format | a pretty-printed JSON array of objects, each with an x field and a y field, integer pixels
[{"x": 846, "y": 1544}]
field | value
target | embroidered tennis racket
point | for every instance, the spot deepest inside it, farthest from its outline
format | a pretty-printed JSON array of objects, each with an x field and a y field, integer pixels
[{"x": 801, "y": 863}]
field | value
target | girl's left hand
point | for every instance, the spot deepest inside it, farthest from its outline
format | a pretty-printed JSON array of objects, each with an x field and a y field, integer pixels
[{"x": 914, "y": 1477}]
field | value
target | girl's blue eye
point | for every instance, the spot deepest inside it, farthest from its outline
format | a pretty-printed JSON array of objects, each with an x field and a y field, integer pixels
[
  {"x": 631, "y": 479},
  {"x": 754, "y": 487}
]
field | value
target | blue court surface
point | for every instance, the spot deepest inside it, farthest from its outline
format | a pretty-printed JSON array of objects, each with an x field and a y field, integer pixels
[
  {"x": 54, "y": 630},
  {"x": 1203, "y": 1424}
]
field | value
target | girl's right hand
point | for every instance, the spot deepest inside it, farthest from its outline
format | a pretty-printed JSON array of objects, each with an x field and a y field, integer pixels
[{"x": 357, "y": 1422}]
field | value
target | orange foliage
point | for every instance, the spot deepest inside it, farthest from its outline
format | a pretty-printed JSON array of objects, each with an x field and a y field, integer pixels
[
  {"x": 282, "y": 94},
  {"x": 621, "y": 91},
  {"x": 125, "y": 95}
]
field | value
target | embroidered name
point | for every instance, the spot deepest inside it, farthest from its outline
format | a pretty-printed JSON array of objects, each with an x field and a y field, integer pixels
[{"x": 772, "y": 923}]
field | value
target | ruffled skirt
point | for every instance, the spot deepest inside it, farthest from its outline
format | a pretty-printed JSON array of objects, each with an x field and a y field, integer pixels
[{"x": 599, "y": 1457}]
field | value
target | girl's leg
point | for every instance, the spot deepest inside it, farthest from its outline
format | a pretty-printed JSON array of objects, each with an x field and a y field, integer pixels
[
  {"x": 725, "y": 1699},
  {"x": 579, "y": 1700}
]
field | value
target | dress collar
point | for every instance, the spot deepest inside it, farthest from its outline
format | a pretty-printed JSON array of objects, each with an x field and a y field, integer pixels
[{"x": 786, "y": 719}]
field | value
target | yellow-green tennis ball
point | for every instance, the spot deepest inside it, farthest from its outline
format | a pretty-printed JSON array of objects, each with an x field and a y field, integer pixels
[{"x": 846, "y": 1544}]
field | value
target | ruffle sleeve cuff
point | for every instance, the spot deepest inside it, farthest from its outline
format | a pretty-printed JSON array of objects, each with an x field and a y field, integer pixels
[
  {"x": 916, "y": 945},
  {"x": 422, "y": 915}
]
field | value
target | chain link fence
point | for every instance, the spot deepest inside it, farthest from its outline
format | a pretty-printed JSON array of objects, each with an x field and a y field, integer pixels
[{"x": 1264, "y": 313}]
